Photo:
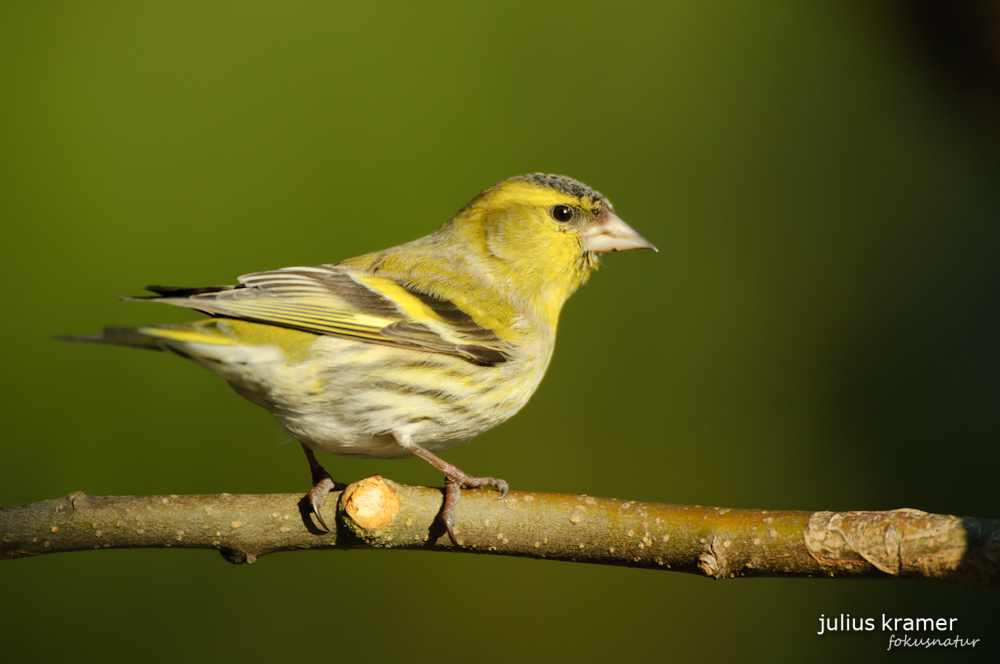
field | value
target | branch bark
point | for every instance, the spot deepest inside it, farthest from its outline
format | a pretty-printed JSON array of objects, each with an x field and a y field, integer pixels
[{"x": 377, "y": 513}]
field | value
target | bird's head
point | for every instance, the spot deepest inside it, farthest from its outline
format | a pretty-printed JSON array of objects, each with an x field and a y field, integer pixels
[{"x": 545, "y": 233}]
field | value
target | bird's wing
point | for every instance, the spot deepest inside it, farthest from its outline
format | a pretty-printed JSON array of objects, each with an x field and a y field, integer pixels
[{"x": 342, "y": 302}]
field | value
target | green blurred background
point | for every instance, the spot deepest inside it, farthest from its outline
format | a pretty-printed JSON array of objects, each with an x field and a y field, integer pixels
[{"x": 818, "y": 331}]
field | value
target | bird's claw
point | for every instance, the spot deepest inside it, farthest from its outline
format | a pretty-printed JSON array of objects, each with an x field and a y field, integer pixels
[
  {"x": 322, "y": 485},
  {"x": 453, "y": 485},
  {"x": 315, "y": 497}
]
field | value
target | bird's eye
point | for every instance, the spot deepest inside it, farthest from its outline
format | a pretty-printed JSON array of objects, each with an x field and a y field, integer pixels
[{"x": 561, "y": 213}]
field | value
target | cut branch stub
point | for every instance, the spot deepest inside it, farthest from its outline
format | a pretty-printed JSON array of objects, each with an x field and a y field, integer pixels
[{"x": 367, "y": 507}]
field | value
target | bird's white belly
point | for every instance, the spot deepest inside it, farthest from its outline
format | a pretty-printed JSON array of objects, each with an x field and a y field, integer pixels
[
  {"x": 350, "y": 402},
  {"x": 366, "y": 434}
]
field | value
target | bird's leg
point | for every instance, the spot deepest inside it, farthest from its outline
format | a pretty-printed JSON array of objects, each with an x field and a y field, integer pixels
[
  {"x": 455, "y": 479},
  {"x": 322, "y": 485}
]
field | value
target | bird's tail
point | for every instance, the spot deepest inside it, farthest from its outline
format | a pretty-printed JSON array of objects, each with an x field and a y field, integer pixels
[
  {"x": 117, "y": 336},
  {"x": 164, "y": 337}
]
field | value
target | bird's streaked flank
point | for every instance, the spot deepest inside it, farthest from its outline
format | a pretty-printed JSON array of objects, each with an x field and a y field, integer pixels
[{"x": 409, "y": 350}]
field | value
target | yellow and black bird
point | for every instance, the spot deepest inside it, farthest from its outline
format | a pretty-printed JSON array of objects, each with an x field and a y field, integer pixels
[{"x": 409, "y": 350}]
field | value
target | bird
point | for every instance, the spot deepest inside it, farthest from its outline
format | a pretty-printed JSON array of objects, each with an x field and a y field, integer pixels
[{"x": 410, "y": 350}]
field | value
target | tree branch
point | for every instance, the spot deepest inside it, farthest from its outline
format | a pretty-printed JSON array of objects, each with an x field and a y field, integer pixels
[{"x": 377, "y": 513}]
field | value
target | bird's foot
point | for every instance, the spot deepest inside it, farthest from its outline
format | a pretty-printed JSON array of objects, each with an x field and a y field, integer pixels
[
  {"x": 454, "y": 481},
  {"x": 315, "y": 498},
  {"x": 322, "y": 484}
]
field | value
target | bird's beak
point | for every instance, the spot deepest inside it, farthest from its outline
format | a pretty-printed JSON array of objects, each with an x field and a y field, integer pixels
[{"x": 609, "y": 233}]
